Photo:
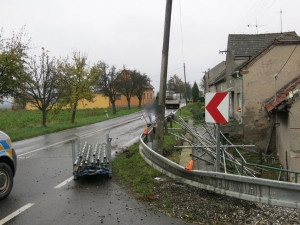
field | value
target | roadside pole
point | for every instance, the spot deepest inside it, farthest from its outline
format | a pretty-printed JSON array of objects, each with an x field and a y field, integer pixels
[
  {"x": 217, "y": 112},
  {"x": 185, "y": 84},
  {"x": 217, "y": 148},
  {"x": 159, "y": 134}
]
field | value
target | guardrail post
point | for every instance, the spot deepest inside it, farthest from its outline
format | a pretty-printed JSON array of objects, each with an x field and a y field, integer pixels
[
  {"x": 296, "y": 177},
  {"x": 108, "y": 147},
  {"x": 73, "y": 151}
]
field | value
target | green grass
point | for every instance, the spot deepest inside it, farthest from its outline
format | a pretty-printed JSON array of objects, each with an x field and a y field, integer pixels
[
  {"x": 193, "y": 111},
  {"x": 134, "y": 173},
  {"x": 185, "y": 113},
  {"x": 254, "y": 157},
  {"x": 27, "y": 123}
]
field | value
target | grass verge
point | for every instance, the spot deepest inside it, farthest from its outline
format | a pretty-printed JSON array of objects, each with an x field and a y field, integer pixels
[
  {"x": 27, "y": 123},
  {"x": 134, "y": 173}
]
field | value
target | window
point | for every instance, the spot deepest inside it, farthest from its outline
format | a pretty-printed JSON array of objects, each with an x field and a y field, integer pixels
[{"x": 118, "y": 97}]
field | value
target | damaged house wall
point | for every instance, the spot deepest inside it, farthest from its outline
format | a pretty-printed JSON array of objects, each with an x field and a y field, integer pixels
[
  {"x": 259, "y": 85},
  {"x": 288, "y": 133}
]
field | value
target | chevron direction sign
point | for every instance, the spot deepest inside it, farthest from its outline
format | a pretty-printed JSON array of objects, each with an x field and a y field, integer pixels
[{"x": 217, "y": 107}]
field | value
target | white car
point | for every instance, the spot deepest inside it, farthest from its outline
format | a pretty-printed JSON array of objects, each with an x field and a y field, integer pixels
[{"x": 8, "y": 165}]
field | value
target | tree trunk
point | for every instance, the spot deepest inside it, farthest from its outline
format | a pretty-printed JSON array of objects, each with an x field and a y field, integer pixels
[
  {"x": 128, "y": 102},
  {"x": 113, "y": 103},
  {"x": 74, "y": 113},
  {"x": 44, "y": 117},
  {"x": 140, "y": 102}
]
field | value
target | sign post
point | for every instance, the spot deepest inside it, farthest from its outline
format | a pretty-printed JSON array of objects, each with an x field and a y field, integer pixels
[{"x": 217, "y": 111}]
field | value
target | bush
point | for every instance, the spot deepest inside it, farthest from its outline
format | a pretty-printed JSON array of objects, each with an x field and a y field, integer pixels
[{"x": 197, "y": 112}]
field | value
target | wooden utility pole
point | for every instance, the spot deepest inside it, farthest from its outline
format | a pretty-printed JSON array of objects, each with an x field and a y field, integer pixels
[
  {"x": 185, "y": 84},
  {"x": 159, "y": 134}
]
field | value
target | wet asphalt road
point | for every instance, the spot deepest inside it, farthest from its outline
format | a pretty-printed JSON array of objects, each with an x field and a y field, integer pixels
[{"x": 45, "y": 190}]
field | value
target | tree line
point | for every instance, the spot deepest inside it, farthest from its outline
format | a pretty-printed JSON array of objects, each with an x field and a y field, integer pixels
[
  {"x": 178, "y": 86},
  {"x": 49, "y": 83}
]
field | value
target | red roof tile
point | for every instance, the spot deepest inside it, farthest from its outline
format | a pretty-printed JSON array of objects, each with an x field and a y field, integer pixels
[{"x": 281, "y": 96}]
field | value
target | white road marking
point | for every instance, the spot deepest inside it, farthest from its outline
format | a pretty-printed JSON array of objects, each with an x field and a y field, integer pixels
[
  {"x": 70, "y": 139},
  {"x": 14, "y": 214},
  {"x": 64, "y": 183},
  {"x": 48, "y": 146},
  {"x": 113, "y": 126}
]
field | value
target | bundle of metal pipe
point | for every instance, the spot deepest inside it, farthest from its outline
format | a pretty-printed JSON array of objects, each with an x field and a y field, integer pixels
[
  {"x": 104, "y": 154},
  {"x": 208, "y": 143},
  {"x": 80, "y": 155},
  {"x": 101, "y": 155},
  {"x": 87, "y": 157}
]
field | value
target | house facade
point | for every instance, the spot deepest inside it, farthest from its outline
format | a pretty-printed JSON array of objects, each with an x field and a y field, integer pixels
[
  {"x": 100, "y": 101},
  {"x": 284, "y": 108},
  {"x": 257, "y": 68}
]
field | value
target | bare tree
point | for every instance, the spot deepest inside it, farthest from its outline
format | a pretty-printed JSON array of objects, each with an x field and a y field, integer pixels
[
  {"x": 44, "y": 88},
  {"x": 202, "y": 84},
  {"x": 126, "y": 84},
  {"x": 142, "y": 84},
  {"x": 107, "y": 82}
]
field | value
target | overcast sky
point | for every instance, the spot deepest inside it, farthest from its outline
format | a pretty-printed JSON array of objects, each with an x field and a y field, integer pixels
[{"x": 130, "y": 32}]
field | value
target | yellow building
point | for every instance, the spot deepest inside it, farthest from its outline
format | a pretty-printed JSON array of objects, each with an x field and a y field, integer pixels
[
  {"x": 101, "y": 101},
  {"x": 121, "y": 100}
]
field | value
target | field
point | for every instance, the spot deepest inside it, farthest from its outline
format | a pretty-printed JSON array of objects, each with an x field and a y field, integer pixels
[{"x": 23, "y": 124}]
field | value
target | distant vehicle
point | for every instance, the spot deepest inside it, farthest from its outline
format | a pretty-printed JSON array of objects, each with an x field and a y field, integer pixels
[
  {"x": 8, "y": 165},
  {"x": 172, "y": 100}
]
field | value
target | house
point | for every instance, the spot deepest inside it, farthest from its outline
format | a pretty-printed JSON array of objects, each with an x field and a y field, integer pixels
[
  {"x": 100, "y": 101},
  {"x": 258, "y": 66},
  {"x": 284, "y": 107},
  {"x": 147, "y": 96},
  {"x": 215, "y": 77}
]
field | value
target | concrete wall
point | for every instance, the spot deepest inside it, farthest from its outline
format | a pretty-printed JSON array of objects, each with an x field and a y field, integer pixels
[
  {"x": 231, "y": 64},
  {"x": 258, "y": 85}
]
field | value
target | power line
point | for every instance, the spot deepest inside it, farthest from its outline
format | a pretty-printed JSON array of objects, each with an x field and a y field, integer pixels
[
  {"x": 276, "y": 75},
  {"x": 180, "y": 18}
]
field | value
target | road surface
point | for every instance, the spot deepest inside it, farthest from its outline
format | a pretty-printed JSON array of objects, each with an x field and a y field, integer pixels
[{"x": 45, "y": 193}]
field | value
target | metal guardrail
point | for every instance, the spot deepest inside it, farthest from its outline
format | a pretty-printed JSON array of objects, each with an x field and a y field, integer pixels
[{"x": 248, "y": 188}]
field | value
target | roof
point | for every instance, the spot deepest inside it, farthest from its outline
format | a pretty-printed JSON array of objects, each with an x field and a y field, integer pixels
[
  {"x": 150, "y": 87},
  {"x": 281, "y": 96},
  {"x": 216, "y": 72},
  {"x": 219, "y": 77},
  {"x": 248, "y": 45}
]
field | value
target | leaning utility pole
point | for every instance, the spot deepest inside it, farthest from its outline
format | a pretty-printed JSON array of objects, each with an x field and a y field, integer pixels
[
  {"x": 185, "y": 84},
  {"x": 159, "y": 134}
]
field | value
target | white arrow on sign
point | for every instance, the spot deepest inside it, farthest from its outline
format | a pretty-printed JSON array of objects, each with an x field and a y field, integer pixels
[{"x": 217, "y": 107}]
